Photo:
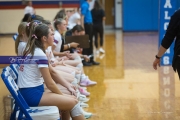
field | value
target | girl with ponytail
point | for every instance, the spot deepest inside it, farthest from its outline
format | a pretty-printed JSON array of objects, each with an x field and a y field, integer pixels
[{"x": 32, "y": 76}]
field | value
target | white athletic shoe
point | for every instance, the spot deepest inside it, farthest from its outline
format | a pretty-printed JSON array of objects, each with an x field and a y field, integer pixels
[
  {"x": 82, "y": 99},
  {"x": 97, "y": 51},
  {"x": 84, "y": 105},
  {"x": 86, "y": 114},
  {"x": 101, "y": 50}
]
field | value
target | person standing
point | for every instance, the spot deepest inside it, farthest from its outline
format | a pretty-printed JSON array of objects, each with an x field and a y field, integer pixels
[
  {"x": 74, "y": 18},
  {"x": 98, "y": 16},
  {"x": 86, "y": 22},
  {"x": 29, "y": 8},
  {"x": 172, "y": 32}
]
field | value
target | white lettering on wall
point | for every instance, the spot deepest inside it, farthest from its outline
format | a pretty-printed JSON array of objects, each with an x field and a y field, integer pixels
[
  {"x": 166, "y": 80},
  {"x": 167, "y": 104},
  {"x": 166, "y": 25},
  {"x": 168, "y": 4},
  {"x": 166, "y": 16},
  {"x": 166, "y": 60},
  {"x": 167, "y": 92},
  {"x": 166, "y": 70}
]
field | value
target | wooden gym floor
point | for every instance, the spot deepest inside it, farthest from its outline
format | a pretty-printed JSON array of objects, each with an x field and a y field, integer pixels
[{"x": 128, "y": 87}]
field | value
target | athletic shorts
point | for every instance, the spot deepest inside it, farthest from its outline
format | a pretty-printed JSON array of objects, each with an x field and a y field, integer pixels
[{"x": 32, "y": 95}]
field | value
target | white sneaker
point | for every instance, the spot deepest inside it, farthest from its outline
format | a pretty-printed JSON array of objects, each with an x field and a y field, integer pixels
[
  {"x": 86, "y": 114},
  {"x": 101, "y": 50},
  {"x": 83, "y": 99},
  {"x": 83, "y": 105},
  {"x": 97, "y": 51}
]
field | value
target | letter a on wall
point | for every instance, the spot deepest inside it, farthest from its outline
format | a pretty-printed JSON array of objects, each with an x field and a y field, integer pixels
[{"x": 166, "y": 10}]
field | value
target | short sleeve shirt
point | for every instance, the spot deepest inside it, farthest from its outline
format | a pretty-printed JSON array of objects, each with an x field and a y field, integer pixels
[
  {"x": 57, "y": 41},
  {"x": 21, "y": 47},
  {"x": 29, "y": 74},
  {"x": 86, "y": 12}
]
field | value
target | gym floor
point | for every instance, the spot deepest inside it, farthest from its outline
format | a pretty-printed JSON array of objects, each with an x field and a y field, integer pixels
[{"x": 128, "y": 87}]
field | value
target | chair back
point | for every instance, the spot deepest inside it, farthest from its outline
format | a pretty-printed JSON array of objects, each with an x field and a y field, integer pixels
[
  {"x": 14, "y": 90},
  {"x": 11, "y": 72},
  {"x": 15, "y": 36},
  {"x": 15, "y": 68}
]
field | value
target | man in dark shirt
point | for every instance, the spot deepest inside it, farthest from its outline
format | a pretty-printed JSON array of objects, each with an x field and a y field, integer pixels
[
  {"x": 173, "y": 31},
  {"x": 86, "y": 22}
]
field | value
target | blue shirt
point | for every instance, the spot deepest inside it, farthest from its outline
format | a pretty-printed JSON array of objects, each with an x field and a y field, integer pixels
[{"x": 86, "y": 12}]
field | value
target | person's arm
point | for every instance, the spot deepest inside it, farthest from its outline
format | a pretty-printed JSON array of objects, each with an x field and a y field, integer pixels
[
  {"x": 83, "y": 13},
  {"x": 59, "y": 79},
  {"x": 71, "y": 45},
  {"x": 67, "y": 46},
  {"x": 86, "y": 58},
  {"x": 103, "y": 16},
  {"x": 156, "y": 62},
  {"x": 82, "y": 21},
  {"x": 60, "y": 54},
  {"x": 51, "y": 85},
  {"x": 171, "y": 33}
]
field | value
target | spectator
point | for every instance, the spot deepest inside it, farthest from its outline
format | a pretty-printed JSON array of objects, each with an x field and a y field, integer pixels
[
  {"x": 86, "y": 22},
  {"x": 98, "y": 16},
  {"x": 29, "y": 8}
]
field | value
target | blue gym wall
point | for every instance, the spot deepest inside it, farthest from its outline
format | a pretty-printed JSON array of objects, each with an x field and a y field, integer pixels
[
  {"x": 141, "y": 15},
  {"x": 178, "y": 4}
]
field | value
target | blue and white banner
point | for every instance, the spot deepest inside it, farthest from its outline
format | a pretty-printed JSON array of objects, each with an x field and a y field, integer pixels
[{"x": 166, "y": 10}]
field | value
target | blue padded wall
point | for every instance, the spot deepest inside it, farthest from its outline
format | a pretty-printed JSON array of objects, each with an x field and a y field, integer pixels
[
  {"x": 178, "y": 4},
  {"x": 140, "y": 15}
]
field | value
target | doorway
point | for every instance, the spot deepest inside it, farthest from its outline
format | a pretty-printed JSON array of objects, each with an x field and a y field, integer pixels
[{"x": 110, "y": 12}]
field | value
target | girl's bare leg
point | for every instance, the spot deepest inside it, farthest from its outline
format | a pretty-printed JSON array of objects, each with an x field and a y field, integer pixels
[
  {"x": 62, "y": 102},
  {"x": 67, "y": 76},
  {"x": 68, "y": 69}
]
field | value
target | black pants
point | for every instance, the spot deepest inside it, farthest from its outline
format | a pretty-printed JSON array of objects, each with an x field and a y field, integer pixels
[
  {"x": 177, "y": 66},
  {"x": 89, "y": 30},
  {"x": 98, "y": 29}
]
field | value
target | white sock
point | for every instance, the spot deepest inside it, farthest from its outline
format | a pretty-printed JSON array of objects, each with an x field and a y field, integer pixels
[
  {"x": 80, "y": 65},
  {"x": 78, "y": 77},
  {"x": 83, "y": 76}
]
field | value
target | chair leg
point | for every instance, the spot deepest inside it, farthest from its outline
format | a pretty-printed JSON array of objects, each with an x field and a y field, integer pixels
[{"x": 13, "y": 114}]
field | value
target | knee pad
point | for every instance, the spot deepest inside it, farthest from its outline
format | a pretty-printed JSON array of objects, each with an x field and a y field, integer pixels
[
  {"x": 80, "y": 65},
  {"x": 76, "y": 111}
]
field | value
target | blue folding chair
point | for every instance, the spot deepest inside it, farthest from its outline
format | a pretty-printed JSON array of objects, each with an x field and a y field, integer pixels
[
  {"x": 15, "y": 68},
  {"x": 15, "y": 36},
  {"x": 21, "y": 110},
  {"x": 12, "y": 73}
]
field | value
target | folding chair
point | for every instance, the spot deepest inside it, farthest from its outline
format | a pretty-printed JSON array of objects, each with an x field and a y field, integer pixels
[
  {"x": 15, "y": 36},
  {"x": 15, "y": 68},
  {"x": 12, "y": 73},
  {"x": 24, "y": 112}
]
